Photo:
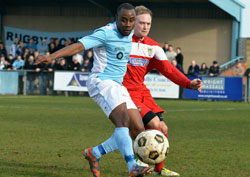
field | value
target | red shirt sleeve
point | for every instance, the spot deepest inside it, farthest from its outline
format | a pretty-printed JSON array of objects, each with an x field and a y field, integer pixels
[{"x": 170, "y": 72}]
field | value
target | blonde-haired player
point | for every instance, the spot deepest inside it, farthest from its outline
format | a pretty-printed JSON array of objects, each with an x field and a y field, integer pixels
[{"x": 146, "y": 54}]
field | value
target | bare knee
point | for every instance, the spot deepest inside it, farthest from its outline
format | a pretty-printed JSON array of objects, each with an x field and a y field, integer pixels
[
  {"x": 163, "y": 127},
  {"x": 154, "y": 123}
]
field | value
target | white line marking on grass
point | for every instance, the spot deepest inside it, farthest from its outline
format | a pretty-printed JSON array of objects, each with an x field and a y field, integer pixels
[
  {"x": 167, "y": 110},
  {"x": 4, "y": 97},
  {"x": 206, "y": 109}
]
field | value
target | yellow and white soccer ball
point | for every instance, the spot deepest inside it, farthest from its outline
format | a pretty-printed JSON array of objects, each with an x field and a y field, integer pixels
[{"x": 151, "y": 146}]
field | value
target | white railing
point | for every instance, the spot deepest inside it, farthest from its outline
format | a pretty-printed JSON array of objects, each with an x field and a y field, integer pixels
[{"x": 230, "y": 63}]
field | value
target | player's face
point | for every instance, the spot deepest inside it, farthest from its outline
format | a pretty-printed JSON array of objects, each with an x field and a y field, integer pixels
[
  {"x": 125, "y": 21},
  {"x": 142, "y": 25}
]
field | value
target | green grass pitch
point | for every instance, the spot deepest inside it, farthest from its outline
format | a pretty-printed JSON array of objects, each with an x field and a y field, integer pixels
[{"x": 45, "y": 137}]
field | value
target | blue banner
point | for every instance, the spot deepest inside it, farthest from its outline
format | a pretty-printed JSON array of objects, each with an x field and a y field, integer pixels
[
  {"x": 8, "y": 82},
  {"x": 38, "y": 36},
  {"x": 217, "y": 88}
]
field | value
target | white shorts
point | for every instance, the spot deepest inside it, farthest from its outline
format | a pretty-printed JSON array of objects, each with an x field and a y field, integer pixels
[{"x": 108, "y": 94}]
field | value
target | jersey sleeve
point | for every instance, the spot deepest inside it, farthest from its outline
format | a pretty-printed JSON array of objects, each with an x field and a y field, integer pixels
[
  {"x": 163, "y": 65},
  {"x": 170, "y": 72},
  {"x": 97, "y": 39},
  {"x": 159, "y": 53}
]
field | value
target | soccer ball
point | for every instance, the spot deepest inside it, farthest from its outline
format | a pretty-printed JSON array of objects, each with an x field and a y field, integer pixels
[{"x": 151, "y": 146}]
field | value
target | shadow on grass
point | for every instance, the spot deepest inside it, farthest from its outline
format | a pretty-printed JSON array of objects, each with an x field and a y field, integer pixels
[
  {"x": 28, "y": 170},
  {"x": 13, "y": 168}
]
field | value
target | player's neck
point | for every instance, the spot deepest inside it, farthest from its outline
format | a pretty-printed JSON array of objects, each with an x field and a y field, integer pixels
[{"x": 140, "y": 38}]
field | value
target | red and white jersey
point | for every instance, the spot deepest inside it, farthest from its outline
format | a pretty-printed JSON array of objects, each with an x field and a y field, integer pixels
[{"x": 146, "y": 55}]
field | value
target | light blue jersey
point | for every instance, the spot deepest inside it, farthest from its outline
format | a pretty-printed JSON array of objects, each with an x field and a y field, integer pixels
[{"x": 111, "y": 52}]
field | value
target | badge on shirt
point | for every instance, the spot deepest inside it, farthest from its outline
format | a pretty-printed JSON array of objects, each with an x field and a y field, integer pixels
[
  {"x": 150, "y": 51},
  {"x": 139, "y": 108}
]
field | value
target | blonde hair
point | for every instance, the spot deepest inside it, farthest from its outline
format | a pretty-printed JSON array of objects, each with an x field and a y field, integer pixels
[{"x": 139, "y": 10}]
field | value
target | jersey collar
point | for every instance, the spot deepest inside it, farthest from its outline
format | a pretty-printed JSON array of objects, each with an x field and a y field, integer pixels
[{"x": 136, "y": 39}]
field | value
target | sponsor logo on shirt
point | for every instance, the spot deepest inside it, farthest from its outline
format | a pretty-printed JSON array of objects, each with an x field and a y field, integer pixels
[{"x": 138, "y": 61}]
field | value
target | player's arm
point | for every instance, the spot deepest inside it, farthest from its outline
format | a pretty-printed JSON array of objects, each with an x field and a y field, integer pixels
[
  {"x": 172, "y": 73},
  {"x": 64, "y": 52},
  {"x": 161, "y": 63},
  {"x": 96, "y": 39}
]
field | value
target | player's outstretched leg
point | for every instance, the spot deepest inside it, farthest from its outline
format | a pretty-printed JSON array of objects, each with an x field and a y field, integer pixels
[
  {"x": 93, "y": 155},
  {"x": 124, "y": 143},
  {"x": 160, "y": 170},
  {"x": 93, "y": 162}
]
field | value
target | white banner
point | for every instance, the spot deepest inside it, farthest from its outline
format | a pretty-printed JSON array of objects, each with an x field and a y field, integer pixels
[
  {"x": 161, "y": 87},
  {"x": 70, "y": 81},
  {"x": 25, "y": 35}
]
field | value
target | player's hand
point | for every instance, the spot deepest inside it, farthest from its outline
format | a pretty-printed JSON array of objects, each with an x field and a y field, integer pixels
[
  {"x": 196, "y": 84},
  {"x": 43, "y": 59}
]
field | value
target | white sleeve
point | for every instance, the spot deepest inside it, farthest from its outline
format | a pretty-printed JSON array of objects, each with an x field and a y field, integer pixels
[{"x": 159, "y": 53}]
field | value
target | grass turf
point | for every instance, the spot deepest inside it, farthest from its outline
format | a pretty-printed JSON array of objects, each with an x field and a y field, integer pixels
[{"x": 45, "y": 137}]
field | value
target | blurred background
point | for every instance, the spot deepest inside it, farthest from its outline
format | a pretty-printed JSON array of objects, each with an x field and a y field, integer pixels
[{"x": 206, "y": 31}]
